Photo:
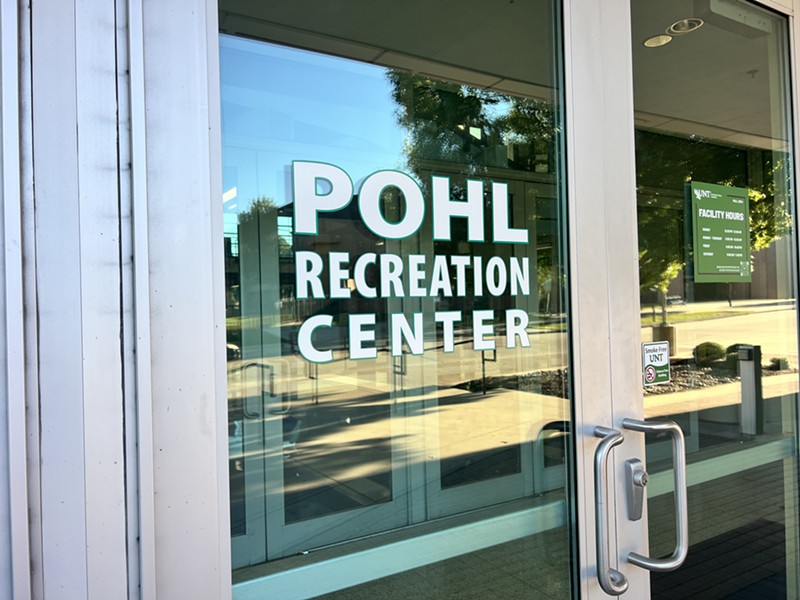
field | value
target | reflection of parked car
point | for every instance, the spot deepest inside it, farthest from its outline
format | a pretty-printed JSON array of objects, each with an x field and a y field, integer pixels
[
  {"x": 675, "y": 301},
  {"x": 234, "y": 353}
]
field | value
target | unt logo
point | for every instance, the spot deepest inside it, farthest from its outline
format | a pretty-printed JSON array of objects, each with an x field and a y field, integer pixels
[{"x": 702, "y": 194}]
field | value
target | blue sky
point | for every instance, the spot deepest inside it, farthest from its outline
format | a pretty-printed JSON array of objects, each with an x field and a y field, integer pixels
[{"x": 281, "y": 104}]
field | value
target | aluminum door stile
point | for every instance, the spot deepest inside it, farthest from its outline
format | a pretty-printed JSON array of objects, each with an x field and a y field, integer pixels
[
  {"x": 790, "y": 9},
  {"x": 601, "y": 208}
]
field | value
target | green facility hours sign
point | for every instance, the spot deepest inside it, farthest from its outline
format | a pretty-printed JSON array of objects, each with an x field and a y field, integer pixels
[{"x": 721, "y": 227}]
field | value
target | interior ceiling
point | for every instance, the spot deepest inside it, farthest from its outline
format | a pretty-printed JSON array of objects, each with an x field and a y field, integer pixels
[
  {"x": 719, "y": 82},
  {"x": 446, "y": 38},
  {"x": 722, "y": 81}
]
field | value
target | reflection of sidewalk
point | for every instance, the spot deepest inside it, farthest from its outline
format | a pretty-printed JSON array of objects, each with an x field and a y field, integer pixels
[
  {"x": 757, "y": 305},
  {"x": 714, "y": 396},
  {"x": 770, "y": 324}
]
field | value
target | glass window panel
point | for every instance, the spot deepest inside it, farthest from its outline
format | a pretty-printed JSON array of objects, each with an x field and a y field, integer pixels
[
  {"x": 718, "y": 255},
  {"x": 395, "y": 285}
]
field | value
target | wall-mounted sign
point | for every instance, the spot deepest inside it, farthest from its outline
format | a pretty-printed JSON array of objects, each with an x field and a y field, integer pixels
[
  {"x": 655, "y": 363},
  {"x": 721, "y": 228}
]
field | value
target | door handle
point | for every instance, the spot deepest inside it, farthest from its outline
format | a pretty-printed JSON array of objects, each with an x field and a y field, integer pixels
[
  {"x": 253, "y": 414},
  {"x": 612, "y": 581},
  {"x": 681, "y": 504}
]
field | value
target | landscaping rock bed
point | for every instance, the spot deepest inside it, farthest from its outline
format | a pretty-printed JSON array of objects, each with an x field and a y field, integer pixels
[
  {"x": 553, "y": 382},
  {"x": 689, "y": 377}
]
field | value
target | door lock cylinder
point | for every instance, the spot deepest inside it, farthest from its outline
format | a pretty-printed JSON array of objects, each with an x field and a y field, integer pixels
[{"x": 636, "y": 478}]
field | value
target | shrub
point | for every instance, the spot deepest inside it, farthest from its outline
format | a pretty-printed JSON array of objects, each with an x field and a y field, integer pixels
[
  {"x": 732, "y": 357},
  {"x": 778, "y": 364},
  {"x": 707, "y": 353},
  {"x": 734, "y": 348}
]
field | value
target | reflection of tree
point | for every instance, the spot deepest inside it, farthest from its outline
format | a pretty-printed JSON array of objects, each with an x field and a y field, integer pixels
[
  {"x": 263, "y": 207},
  {"x": 458, "y": 128},
  {"x": 442, "y": 119},
  {"x": 664, "y": 164},
  {"x": 470, "y": 126},
  {"x": 769, "y": 218},
  {"x": 480, "y": 129},
  {"x": 530, "y": 123},
  {"x": 260, "y": 206}
]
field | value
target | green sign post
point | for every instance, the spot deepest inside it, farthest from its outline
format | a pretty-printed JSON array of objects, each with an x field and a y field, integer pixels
[{"x": 721, "y": 233}]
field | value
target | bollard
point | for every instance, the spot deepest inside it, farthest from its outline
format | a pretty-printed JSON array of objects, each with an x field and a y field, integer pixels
[{"x": 752, "y": 407}]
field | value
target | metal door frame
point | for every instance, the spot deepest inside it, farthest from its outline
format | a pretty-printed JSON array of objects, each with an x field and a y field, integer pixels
[{"x": 603, "y": 279}]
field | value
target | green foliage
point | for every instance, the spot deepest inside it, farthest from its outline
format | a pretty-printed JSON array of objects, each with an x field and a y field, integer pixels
[
  {"x": 439, "y": 118},
  {"x": 261, "y": 206},
  {"x": 778, "y": 364},
  {"x": 471, "y": 126},
  {"x": 732, "y": 362},
  {"x": 734, "y": 348},
  {"x": 732, "y": 357},
  {"x": 456, "y": 128},
  {"x": 264, "y": 210},
  {"x": 707, "y": 353},
  {"x": 769, "y": 219},
  {"x": 481, "y": 129}
]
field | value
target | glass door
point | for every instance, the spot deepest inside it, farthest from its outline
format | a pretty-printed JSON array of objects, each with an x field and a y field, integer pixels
[
  {"x": 397, "y": 300},
  {"x": 428, "y": 336},
  {"x": 716, "y": 202}
]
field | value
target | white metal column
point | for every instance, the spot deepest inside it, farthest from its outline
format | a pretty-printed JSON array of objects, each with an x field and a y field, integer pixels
[
  {"x": 14, "y": 546},
  {"x": 80, "y": 543},
  {"x": 185, "y": 281}
]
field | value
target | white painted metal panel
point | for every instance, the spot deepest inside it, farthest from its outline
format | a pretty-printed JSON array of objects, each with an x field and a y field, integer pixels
[
  {"x": 31, "y": 367},
  {"x": 14, "y": 547},
  {"x": 136, "y": 307},
  {"x": 186, "y": 321},
  {"x": 61, "y": 441},
  {"x": 95, "y": 57},
  {"x": 76, "y": 255}
]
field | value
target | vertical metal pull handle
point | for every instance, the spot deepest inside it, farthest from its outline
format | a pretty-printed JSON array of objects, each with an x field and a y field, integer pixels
[
  {"x": 286, "y": 400},
  {"x": 612, "y": 581},
  {"x": 681, "y": 505},
  {"x": 261, "y": 367},
  {"x": 250, "y": 414}
]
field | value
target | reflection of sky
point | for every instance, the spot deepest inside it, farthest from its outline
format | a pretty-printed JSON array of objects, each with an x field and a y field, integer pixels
[{"x": 281, "y": 104}]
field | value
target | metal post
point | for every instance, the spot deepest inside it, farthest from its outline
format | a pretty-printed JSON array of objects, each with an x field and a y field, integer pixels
[{"x": 752, "y": 407}]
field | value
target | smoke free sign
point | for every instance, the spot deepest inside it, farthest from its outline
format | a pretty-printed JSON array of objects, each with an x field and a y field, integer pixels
[{"x": 655, "y": 363}]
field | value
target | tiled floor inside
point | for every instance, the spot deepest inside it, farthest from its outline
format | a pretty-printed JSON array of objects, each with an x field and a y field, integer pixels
[
  {"x": 738, "y": 539},
  {"x": 535, "y": 567},
  {"x": 738, "y": 550},
  {"x": 746, "y": 563}
]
